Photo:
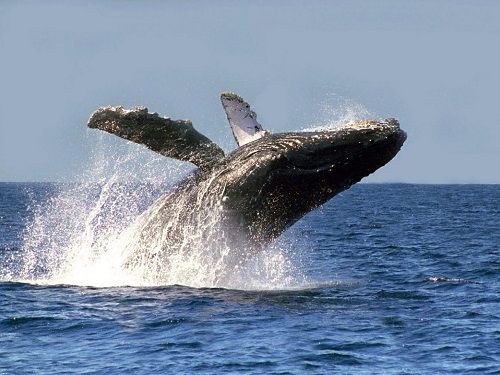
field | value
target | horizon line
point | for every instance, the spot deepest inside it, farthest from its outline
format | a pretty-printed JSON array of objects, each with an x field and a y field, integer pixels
[{"x": 358, "y": 183}]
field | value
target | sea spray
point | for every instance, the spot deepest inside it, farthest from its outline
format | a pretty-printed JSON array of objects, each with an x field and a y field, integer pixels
[
  {"x": 92, "y": 232},
  {"x": 74, "y": 229},
  {"x": 336, "y": 111}
]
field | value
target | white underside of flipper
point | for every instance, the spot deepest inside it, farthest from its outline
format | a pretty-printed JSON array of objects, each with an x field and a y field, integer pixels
[{"x": 242, "y": 119}]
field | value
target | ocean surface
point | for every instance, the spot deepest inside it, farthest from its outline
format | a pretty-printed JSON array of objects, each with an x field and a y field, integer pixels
[{"x": 384, "y": 279}]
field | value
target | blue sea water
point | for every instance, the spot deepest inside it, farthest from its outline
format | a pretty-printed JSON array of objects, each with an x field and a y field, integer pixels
[{"x": 391, "y": 279}]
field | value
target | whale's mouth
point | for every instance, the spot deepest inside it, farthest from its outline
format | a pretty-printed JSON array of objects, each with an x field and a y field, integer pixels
[{"x": 310, "y": 169}]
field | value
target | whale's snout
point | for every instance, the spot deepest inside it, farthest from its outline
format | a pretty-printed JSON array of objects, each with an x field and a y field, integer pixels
[
  {"x": 368, "y": 142},
  {"x": 393, "y": 125}
]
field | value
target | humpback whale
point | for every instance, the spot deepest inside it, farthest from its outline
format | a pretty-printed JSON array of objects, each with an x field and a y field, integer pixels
[{"x": 247, "y": 198}]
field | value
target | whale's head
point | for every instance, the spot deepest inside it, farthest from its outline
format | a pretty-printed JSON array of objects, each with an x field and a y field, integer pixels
[{"x": 279, "y": 178}]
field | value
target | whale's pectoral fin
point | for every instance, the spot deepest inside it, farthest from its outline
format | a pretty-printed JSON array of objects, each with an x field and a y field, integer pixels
[
  {"x": 177, "y": 139},
  {"x": 242, "y": 119}
]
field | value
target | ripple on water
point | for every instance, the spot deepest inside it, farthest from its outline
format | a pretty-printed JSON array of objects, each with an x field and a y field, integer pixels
[
  {"x": 27, "y": 321},
  {"x": 333, "y": 357},
  {"x": 402, "y": 294},
  {"x": 166, "y": 323},
  {"x": 348, "y": 346}
]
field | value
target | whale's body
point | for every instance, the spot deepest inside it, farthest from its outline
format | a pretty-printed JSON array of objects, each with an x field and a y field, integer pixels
[{"x": 246, "y": 199}]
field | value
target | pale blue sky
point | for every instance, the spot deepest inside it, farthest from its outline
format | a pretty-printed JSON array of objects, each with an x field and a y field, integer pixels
[{"x": 433, "y": 65}]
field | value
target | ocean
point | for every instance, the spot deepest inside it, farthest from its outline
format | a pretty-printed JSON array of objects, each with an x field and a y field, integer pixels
[{"x": 384, "y": 279}]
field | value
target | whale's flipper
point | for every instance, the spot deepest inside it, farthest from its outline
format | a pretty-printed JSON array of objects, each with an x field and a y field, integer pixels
[
  {"x": 242, "y": 119},
  {"x": 177, "y": 139}
]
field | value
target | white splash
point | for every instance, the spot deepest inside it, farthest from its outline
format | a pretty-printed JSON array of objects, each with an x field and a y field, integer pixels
[
  {"x": 86, "y": 233},
  {"x": 336, "y": 111}
]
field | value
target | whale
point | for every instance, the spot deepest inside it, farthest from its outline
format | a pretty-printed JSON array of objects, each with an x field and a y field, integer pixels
[{"x": 247, "y": 198}]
